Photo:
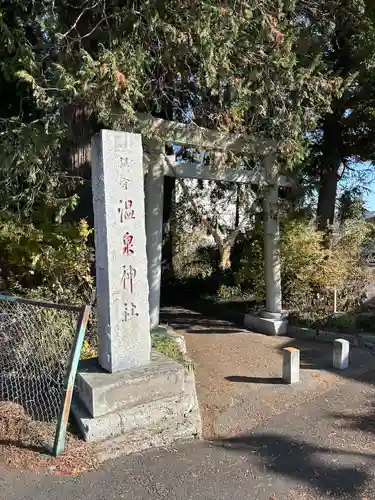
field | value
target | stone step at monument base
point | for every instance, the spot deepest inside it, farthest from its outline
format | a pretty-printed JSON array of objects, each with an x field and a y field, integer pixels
[
  {"x": 131, "y": 419},
  {"x": 102, "y": 392},
  {"x": 162, "y": 435},
  {"x": 153, "y": 418}
]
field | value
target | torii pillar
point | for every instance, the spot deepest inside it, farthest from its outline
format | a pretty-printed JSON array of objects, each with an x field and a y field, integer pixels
[
  {"x": 154, "y": 226},
  {"x": 272, "y": 320}
]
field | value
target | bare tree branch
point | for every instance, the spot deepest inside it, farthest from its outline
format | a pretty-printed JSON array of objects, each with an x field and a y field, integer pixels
[
  {"x": 79, "y": 17},
  {"x": 97, "y": 25},
  {"x": 197, "y": 210},
  {"x": 221, "y": 242},
  {"x": 231, "y": 238}
]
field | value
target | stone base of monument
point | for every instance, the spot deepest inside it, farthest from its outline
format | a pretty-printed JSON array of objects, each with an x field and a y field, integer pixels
[
  {"x": 136, "y": 409},
  {"x": 267, "y": 323}
]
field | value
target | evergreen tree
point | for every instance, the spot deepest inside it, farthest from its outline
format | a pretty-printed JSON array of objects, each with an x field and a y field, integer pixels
[
  {"x": 346, "y": 134},
  {"x": 230, "y": 67}
]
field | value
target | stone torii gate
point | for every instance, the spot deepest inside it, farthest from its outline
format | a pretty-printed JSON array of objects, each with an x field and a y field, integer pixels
[
  {"x": 131, "y": 397},
  {"x": 158, "y": 132}
]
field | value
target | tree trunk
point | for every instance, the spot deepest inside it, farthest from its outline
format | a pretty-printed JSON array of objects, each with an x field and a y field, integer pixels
[
  {"x": 329, "y": 171},
  {"x": 168, "y": 222},
  {"x": 225, "y": 253},
  {"x": 327, "y": 196},
  {"x": 76, "y": 155},
  {"x": 76, "y": 150},
  {"x": 238, "y": 203}
]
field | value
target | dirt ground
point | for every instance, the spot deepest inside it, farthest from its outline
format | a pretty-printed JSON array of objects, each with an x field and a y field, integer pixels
[
  {"x": 21, "y": 448},
  {"x": 238, "y": 373}
]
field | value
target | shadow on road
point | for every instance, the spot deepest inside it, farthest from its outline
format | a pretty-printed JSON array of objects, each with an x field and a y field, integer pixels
[
  {"x": 193, "y": 322},
  {"x": 255, "y": 380},
  {"x": 314, "y": 466},
  {"x": 361, "y": 421}
]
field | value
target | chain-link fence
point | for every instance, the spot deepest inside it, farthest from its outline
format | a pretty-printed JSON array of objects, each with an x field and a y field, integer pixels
[{"x": 37, "y": 341}]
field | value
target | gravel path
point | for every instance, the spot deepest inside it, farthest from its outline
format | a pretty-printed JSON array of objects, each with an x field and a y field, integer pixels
[{"x": 238, "y": 372}]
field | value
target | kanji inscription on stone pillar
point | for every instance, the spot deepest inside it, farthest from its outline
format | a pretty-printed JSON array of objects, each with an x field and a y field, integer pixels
[{"x": 120, "y": 248}]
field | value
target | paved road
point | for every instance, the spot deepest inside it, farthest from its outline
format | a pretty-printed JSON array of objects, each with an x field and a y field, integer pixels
[{"x": 320, "y": 450}]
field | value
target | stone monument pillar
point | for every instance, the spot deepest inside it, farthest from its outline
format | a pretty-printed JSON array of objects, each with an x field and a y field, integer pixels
[
  {"x": 127, "y": 399},
  {"x": 120, "y": 250}
]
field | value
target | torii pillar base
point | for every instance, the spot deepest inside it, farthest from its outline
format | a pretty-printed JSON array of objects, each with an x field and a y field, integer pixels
[{"x": 267, "y": 323}]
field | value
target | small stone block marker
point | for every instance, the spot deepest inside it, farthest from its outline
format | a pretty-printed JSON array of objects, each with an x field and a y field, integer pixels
[
  {"x": 291, "y": 361},
  {"x": 120, "y": 246},
  {"x": 341, "y": 354}
]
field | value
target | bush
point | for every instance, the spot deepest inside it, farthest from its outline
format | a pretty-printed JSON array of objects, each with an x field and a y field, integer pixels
[
  {"x": 193, "y": 258},
  {"x": 227, "y": 292},
  {"x": 310, "y": 268},
  {"x": 49, "y": 261},
  {"x": 89, "y": 351},
  {"x": 250, "y": 271},
  {"x": 342, "y": 322}
]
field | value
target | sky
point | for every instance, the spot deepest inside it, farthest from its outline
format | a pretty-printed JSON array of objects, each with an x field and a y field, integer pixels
[
  {"x": 364, "y": 175},
  {"x": 370, "y": 199}
]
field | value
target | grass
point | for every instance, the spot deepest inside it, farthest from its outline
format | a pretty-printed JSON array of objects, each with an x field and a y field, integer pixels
[{"x": 165, "y": 345}]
